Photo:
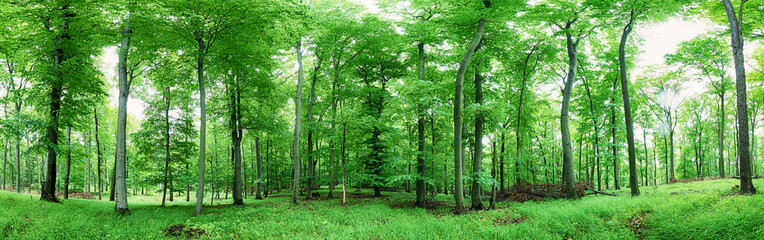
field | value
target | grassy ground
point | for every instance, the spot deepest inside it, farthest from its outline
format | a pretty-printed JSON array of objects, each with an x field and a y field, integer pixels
[{"x": 697, "y": 210}]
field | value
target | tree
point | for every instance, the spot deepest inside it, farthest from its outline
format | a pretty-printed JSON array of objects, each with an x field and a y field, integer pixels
[
  {"x": 707, "y": 55},
  {"x": 458, "y": 101},
  {"x": 735, "y": 22},
  {"x": 575, "y": 24}
]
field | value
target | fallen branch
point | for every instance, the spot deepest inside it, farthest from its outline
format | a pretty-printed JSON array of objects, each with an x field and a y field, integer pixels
[
  {"x": 754, "y": 177},
  {"x": 604, "y": 193}
]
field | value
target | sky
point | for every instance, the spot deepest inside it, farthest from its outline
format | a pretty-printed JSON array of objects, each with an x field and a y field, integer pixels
[{"x": 659, "y": 39}]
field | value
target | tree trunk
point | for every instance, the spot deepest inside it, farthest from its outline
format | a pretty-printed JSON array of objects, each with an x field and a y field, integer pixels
[
  {"x": 501, "y": 164},
  {"x": 342, "y": 159},
  {"x": 267, "y": 167},
  {"x": 68, "y": 162},
  {"x": 420, "y": 191},
  {"x": 458, "y": 99},
  {"x": 166, "y": 146},
  {"x": 311, "y": 163},
  {"x": 258, "y": 189},
  {"x": 296, "y": 143},
  {"x": 201, "y": 50},
  {"x": 236, "y": 136},
  {"x": 633, "y": 178},
  {"x": 567, "y": 152},
  {"x": 477, "y": 163},
  {"x": 616, "y": 166},
  {"x": 98, "y": 155},
  {"x": 48, "y": 192},
  {"x": 746, "y": 184},
  {"x": 124, "y": 91},
  {"x": 112, "y": 182}
]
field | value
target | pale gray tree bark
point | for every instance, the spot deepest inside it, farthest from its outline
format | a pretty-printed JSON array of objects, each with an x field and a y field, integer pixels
[
  {"x": 458, "y": 101},
  {"x": 296, "y": 143}
]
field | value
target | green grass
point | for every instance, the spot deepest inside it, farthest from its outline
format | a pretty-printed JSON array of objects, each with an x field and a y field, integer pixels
[{"x": 697, "y": 210}]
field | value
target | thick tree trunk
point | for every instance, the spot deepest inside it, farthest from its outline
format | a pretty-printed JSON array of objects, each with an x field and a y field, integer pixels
[
  {"x": 633, "y": 177},
  {"x": 296, "y": 143},
  {"x": 124, "y": 91},
  {"x": 458, "y": 100},
  {"x": 746, "y": 184},
  {"x": 68, "y": 162},
  {"x": 48, "y": 192},
  {"x": 201, "y": 50},
  {"x": 420, "y": 191},
  {"x": 259, "y": 188},
  {"x": 567, "y": 151}
]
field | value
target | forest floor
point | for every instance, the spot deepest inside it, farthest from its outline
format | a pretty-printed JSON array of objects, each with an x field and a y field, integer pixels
[{"x": 694, "y": 210}]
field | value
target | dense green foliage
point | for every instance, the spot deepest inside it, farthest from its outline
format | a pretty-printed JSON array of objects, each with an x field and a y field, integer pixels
[{"x": 251, "y": 98}]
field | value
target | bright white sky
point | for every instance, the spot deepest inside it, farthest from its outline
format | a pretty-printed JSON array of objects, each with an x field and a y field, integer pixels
[{"x": 659, "y": 40}]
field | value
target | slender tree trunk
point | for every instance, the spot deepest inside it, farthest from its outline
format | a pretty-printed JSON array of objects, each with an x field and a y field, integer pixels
[
  {"x": 721, "y": 135},
  {"x": 236, "y": 136},
  {"x": 112, "y": 182},
  {"x": 201, "y": 51},
  {"x": 501, "y": 164},
  {"x": 458, "y": 99},
  {"x": 98, "y": 155},
  {"x": 647, "y": 159},
  {"x": 342, "y": 159},
  {"x": 258, "y": 189},
  {"x": 477, "y": 163},
  {"x": 121, "y": 152},
  {"x": 311, "y": 163},
  {"x": 567, "y": 152},
  {"x": 633, "y": 178},
  {"x": 166, "y": 146},
  {"x": 5, "y": 162},
  {"x": 267, "y": 167},
  {"x": 68, "y": 162},
  {"x": 493, "y": 175},
  {"x": 616, "y": 165},
  {"x": 296, "y": 143},
  {"x": 421, "y": 168},
  {"x": 746, "y": 184}
]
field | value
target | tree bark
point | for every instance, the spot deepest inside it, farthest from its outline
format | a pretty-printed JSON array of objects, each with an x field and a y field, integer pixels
[
  {"x": 166, "y": 146},
  {"x": 746, "y": 184},
  {"x": 258, "y": 189},
  {"x": 633, "y": 177},
  {"x": 68, "y": 162},
  {"x": 567, "y": 152},
  {"x": 420, "y": 191},
  {"x": 124, "y": 91},
  {"x": 458, "y": 99},
  {"x": 296, "y": 143},
  {"x": 596, "y": 135},
  {"x": 48, "y": 192},
  {"x": 477, "y": 163},
  {"x": 201, "y": 51},
  {"x": 236, "y": 137},
  {"x": 98, "y": 155},
  {"x": 616, "y": 166}
]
